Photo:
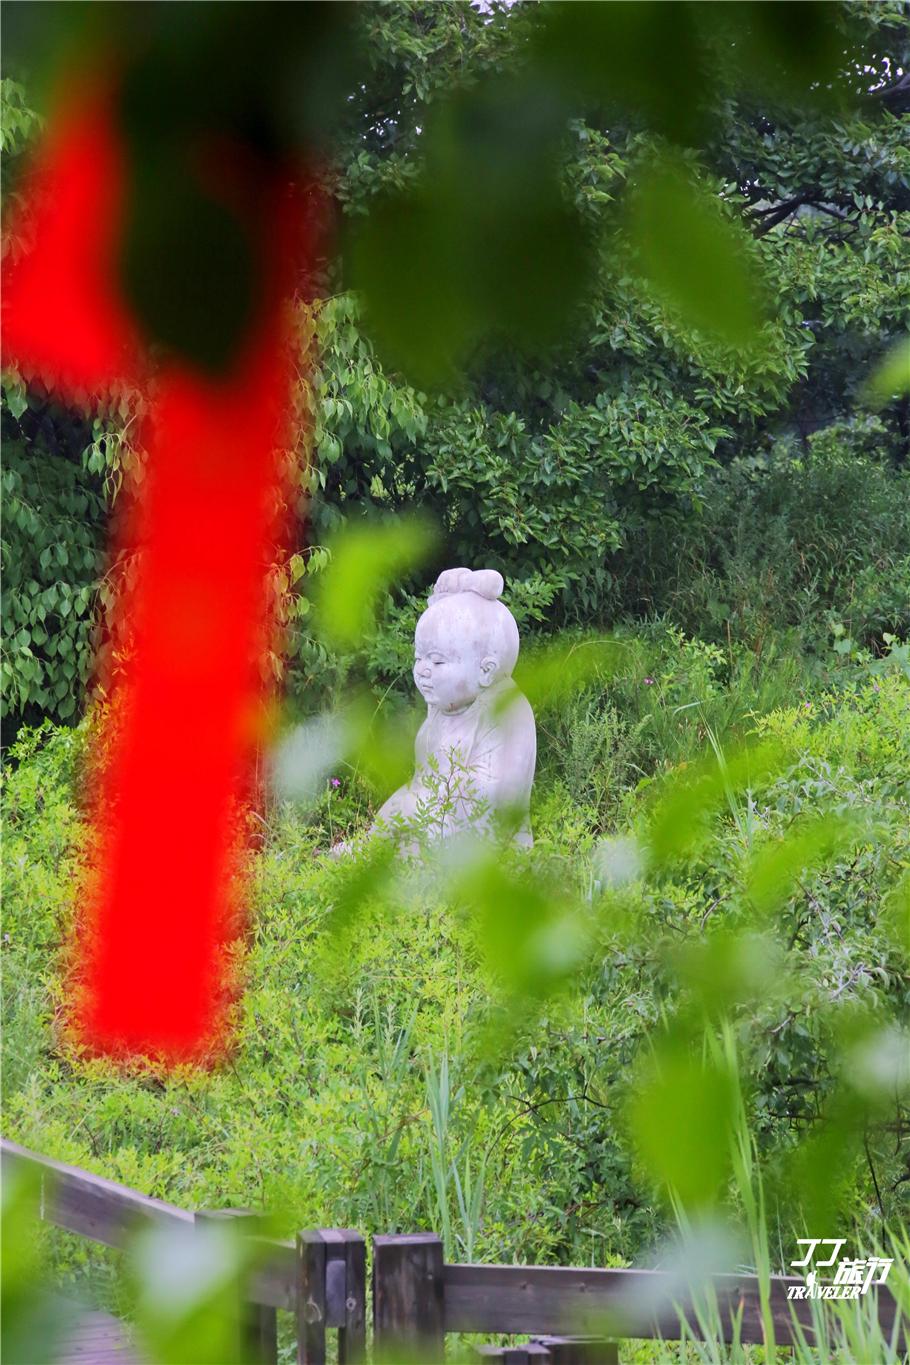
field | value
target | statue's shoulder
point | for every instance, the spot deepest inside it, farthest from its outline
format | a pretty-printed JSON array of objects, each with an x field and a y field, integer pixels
[
  {"x": 520, "y": 708},
  {"x": 510, "y": 711}
]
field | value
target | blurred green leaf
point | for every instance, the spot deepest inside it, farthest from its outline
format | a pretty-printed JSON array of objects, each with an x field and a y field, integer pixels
[
  {"x": 818, "y": 1176},
  {"x": 891, "y": 378},
  {"x": 729, "y": 967},
  {"x": 549, "y": 674},
  {"x": 404, "y": 261},
  {"x": 32, "y": 1323},
  {"x": 532, "y": 934},
  {"x": 776, "y": 868},
  {"x": 648, "y": 58},
  {"x": 692, "y": 794},
  {"x": 189, "y": 1293},
  {"x": 360, "y": 879},
  {"x": 190, "y": 266},
  {"x": 380, "y": 741},
  {"x": 306, "y": 754},
  {"x": 694, "y": 258},
  {"x": 486, "y": 246},
  {"x": 681, "y": 1118},
  {"x": 201, "y": 160},
  {"x": 794, "y": 51},
  {"x": 896, "y": 916},
  {"x": 877, "y": 1066},
  {"x": 365, "y": 561}
]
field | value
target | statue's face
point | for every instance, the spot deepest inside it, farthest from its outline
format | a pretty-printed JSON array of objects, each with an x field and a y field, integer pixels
[{"x": 452, "y": 664}]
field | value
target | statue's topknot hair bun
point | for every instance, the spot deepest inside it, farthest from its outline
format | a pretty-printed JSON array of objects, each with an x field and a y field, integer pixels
[
  {"x": 486, "y": 583},
  {"x": 477, "y": 593}
]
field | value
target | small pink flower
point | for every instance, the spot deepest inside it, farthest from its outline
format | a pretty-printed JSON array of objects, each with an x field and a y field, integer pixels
[
  {"x": 649, "y": 682},
  {"x": 335, "y": 781}
]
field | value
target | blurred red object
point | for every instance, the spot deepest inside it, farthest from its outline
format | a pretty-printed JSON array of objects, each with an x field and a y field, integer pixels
[
  {"x": 63, "y": 314},
  {"x": 149, "y": 971}
]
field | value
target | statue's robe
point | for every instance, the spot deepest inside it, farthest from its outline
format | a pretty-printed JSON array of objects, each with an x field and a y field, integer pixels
[{"x": 474, "y": 770}]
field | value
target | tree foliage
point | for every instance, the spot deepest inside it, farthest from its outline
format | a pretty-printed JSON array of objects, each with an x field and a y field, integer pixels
[
  {"x": 716, "y": 206},
  {"x": 550, "y": 466}
]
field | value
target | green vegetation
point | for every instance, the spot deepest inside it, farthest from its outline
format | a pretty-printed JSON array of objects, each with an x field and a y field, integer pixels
[
  {"x": 587, "y": 472},
  {"x": 376, "y": 1081},
  {"x": 691, "y": 1002}
]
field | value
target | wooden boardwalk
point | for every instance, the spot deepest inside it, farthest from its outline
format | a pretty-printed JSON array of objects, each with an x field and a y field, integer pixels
[{"x": 96, "y": 1338}]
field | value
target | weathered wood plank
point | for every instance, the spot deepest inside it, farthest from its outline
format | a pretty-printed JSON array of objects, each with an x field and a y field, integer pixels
[
  {"x": 335, "y": 1276},
  {"x": 274, "y": 1282},
  {"x": 94, "y": 1338},
  {"x": 106, "y": 1212},
  {"x": 578, "y": 1350},
  {"x": 527, "y": 1353},
  {"x": 615, "y": 1303},
  {"x": 311, "y": 1307},
  {"x": 88, "y": 1204},
  {"x": 352, "y": 1330},
  {"x": 408, "y": 1318}
]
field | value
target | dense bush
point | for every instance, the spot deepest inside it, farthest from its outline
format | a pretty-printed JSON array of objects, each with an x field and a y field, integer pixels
[
  {"x": 785, "y": 538},
  {"x": 52, "y": 538},
  {"x": 557, "y": 471},
  {"x": 573, "y": 470},
  {"x": 354, "y": 1039}
]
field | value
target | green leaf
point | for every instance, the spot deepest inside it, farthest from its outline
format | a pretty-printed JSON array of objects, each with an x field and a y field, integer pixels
[
  {"x": 681, "y": 1120},
  {"x": 16, "y": 398},
  {"x": 891, "y": 378},
  {"x": 366, "y": 560},
  {"x": 693, "y": 258}
]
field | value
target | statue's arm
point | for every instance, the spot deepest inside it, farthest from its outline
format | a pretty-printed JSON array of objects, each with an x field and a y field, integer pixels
[
  {"x": 403, "y": 802},
  {"x": 507, "y": 757}
]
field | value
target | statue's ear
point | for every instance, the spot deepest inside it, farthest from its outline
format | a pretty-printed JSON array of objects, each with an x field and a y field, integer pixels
[{"x": 488, "y": 667}]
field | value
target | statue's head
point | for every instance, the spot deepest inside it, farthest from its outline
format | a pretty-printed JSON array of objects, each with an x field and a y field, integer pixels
[{"x": 465, "y": 640}]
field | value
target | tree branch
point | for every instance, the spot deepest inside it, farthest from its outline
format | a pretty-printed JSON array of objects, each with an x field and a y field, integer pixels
[
  {"x": 770, "y": 217},
  {"x": 894, "y": 97}
]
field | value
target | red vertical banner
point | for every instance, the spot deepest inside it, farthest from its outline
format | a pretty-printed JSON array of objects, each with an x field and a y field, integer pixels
[
  {"x": 169, "y": 805},
  {"x": 172, "y": 792}
]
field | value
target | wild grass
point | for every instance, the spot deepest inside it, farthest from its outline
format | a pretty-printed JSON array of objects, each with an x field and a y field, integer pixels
[{"x": 362, "y": 1092}]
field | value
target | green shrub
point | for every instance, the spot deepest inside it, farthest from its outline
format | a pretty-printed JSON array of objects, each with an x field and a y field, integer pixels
[
  {"x": 363, "y": 1075},
  {"x": 52, "y": 537},
  {"x": 786, "y": 540}
]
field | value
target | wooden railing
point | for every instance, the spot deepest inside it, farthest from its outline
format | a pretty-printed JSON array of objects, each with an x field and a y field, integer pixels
[
  {"x": 418, "y": 1297},
  {"x": 320, "y": 1277}
]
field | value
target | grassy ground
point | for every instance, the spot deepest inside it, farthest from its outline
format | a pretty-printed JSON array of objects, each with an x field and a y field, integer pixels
[{"x": 391, "y": 1073}]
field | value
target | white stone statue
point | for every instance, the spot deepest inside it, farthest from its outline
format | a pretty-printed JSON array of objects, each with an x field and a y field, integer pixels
[{"x": 476, "y": 751}]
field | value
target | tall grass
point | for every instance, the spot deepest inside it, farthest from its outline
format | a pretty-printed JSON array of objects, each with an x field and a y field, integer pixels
[
  {"x": 454, "y": 1174},
  {"x": 844, "y": 1332}
]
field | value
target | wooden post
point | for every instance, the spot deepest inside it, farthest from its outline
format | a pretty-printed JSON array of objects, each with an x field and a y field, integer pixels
[
  {"x": 408, "y": 1299},
  {"x": 258, "y": 1322},
  {"x": 352, "y": 1335},
  {"x": 311, "y": 1299}
]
